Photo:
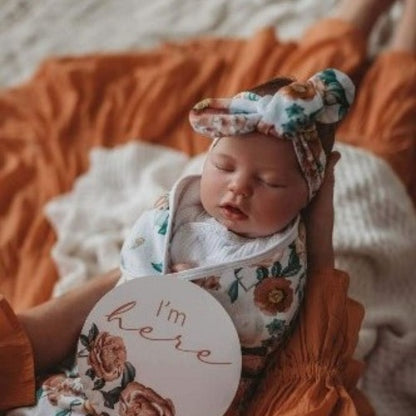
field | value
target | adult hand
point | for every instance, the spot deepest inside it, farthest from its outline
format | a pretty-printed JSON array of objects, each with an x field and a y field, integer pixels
[
  {"x": 319, "y": 219},
  {"x": 54, "y": 326}
]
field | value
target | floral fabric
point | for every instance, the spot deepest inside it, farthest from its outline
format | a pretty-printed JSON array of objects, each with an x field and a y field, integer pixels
[
  {"x": 60, "y": 394},
  {"x": 289, "y": 114},
  {"x": 262, "y": 293},
  {"x": 113, "y": 379},
  {"x": 63, "y": 394}
]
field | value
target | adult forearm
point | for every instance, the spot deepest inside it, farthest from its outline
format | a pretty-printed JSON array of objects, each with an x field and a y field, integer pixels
[
  {"x": 319, "y": 218},
  {"x": 54, "y": 326}
]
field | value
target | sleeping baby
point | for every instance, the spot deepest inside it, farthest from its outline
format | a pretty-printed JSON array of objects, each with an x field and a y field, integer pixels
[{"x": 236, "y": 230}]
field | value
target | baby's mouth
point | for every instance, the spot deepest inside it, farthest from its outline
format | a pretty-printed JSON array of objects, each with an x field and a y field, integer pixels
[{"x": 232, "y": 212}]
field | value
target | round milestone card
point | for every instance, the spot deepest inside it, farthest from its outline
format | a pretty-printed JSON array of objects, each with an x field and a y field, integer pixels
[{"x": 159, "y": 345}]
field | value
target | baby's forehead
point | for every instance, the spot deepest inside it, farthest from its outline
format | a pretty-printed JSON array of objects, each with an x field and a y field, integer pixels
[
  {"x": 257, "y": 148},
  {"x": 256, "y": 142}
]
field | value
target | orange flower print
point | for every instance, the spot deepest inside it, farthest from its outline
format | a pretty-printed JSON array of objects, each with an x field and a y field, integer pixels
[
  {"x": 273, "y": 295},
  {"x": 139, "y": 400},
  {"x": 59, "y": 386},
  {"x": 162, "y": 202},
  {"x": 107, "y": 356},
  {"x": 89, "y": 409},
  {"x": 305, "y": 91},
  {"x": 210, "y": 282}
]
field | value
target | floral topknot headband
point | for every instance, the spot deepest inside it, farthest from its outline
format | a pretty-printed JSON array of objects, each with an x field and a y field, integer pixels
[{"x": 289, "y": 114}]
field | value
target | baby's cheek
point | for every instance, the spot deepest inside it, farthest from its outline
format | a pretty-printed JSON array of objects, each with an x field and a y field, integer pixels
[{"x": 274, "y": 216}]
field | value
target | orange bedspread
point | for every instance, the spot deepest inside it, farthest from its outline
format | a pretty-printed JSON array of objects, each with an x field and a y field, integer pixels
[{"x": 48, "y": 125}]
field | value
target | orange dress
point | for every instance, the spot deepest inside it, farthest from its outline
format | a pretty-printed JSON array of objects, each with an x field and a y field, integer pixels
[
  {"x": 73, "y": 104},
  {"x": 17, "y": 380}
]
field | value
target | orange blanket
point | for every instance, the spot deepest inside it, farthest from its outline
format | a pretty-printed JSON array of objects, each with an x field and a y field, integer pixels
[{"x": 48, "y": 125}]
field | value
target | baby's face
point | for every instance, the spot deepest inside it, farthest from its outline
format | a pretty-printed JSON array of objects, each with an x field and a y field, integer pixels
[{"x": 252, "y": 184}]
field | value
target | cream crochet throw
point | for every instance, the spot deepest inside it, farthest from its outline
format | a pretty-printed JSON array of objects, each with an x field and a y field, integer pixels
[{"x": 375, "y": 242}]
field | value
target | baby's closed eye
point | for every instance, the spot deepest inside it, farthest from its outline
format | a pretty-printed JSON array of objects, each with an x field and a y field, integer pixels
[
  {"x": 224, "y": 166},
  {"x": 271, "y": 182}
]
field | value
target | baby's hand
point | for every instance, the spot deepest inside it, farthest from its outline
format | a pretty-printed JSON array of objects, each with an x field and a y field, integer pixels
[{"x": 180, "y": 267}]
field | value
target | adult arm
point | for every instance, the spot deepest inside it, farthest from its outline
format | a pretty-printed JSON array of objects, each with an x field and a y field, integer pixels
[
  {"x": 54, "y": 326},
  {"x": 319, "y": 218},
  {"x": 41, "y": 337},
  {"x": 315, "y": 374},
  {"x": 17, "y": 379}
]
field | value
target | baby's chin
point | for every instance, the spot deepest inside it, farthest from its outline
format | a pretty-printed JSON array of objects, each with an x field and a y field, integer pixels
[
  {"x": 249, "y": 233},
  {"x": 242, "y": 231},
  {"x": 245, "y": 228},
  {"x": 232, "y": 227}
]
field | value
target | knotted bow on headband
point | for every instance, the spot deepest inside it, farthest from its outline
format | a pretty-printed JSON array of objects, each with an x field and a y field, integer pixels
[{"x": 289, "y": 114}]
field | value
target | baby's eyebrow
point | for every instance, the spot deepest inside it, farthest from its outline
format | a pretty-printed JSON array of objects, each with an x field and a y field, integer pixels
[{"x": 224, "y": 155}]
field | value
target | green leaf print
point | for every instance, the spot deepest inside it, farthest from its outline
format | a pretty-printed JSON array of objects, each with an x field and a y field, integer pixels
[
  {"x": 63, "y": 412},
  {"x": 158, "y": 267},
  {"x": 39, "y": 393},
  {"x": 90, "y": 373},
  {"x": 237, "y": 272},
  {"x": 297, "y": 118},
  {"x": 335, "y": 89},
  {"x": 276, "y": 327},
  {"x": 233, "y": 291},
  {"x": 251, "y": 96},
  {"x": 300, "y": 284},
  {"x": 276, "y": 269},
  {"x": 98, "y": 384},
  {"x": 163, "y": 228},
  {"x": 111, "y": 397},
  {"x": 84, "y": 341},
  {"x": 293, "y": 266},
  {"x": 295, "y": 111},
  {"x": 129, "y": 372},
  {"x": 93, "y": 332},
  {"x": 262, "y": 272},
  {"x": 161, "y": 221}
]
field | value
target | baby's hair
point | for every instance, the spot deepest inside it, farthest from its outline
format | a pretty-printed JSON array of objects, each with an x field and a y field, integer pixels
[
  {"x": 272, "y": 86},
  {"x": 326, "y": 132}
]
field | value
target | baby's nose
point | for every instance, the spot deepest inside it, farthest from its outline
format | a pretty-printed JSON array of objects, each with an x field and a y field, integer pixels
[{"x": 240, "y": 187}]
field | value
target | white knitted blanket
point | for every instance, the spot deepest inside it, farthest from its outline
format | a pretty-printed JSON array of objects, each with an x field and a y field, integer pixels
[{"x": 375, "y": 242}]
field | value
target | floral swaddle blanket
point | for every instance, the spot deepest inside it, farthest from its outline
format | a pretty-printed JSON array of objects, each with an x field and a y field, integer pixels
[{"x": 261, "y": 292}]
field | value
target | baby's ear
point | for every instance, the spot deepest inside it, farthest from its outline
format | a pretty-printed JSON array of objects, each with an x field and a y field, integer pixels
[{"x": 326, "y": 133}]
